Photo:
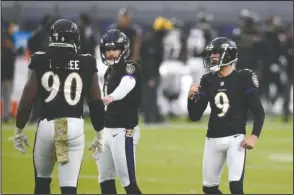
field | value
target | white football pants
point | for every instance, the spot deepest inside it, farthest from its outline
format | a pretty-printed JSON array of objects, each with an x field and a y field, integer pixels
[
  {"x": 44, "y": 152},
  {"x": 118, "y": 157},
  {"x": 216, "y": 152}
]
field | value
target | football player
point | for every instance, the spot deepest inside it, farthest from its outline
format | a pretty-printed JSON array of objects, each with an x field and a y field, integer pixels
[
  {"x": 122, "y": 95},
  {"x": 131, "y": 30},
  {"x": 230, "y": 94},
  {"x": 174, "y": 56},
  {"x": 62, "y": 78}
]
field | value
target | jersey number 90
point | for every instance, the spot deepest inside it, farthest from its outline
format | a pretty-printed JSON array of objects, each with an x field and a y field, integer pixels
[
  {"x": 222, "y": 102},
  {"x": 55, "y": 87}
]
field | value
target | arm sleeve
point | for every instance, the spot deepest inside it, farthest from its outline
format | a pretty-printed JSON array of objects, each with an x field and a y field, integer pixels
[
  {"x": 254, "y": 103},
  {"x": 198, "y": 104},
  {"x": 127, "y": 83},
  {"x": 125, "y": 86}
]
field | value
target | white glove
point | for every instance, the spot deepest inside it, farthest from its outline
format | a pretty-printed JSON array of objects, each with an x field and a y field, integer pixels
[
  {"x": 19, "y": 138},
  {"x": 98, "y": 144}
]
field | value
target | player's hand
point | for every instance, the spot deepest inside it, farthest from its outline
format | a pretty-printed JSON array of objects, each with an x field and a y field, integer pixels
[
  {"x": 107, "y": 100},
  {"x": 98, "y": 144},
  {"x": 194, "y": 89},
  {"x": 19, "y": 139},
  {"x": 249, "y": 142}
]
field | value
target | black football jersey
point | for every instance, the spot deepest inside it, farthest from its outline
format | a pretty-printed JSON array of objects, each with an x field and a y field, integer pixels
[
  {"x": 228, "y": 101},
  {"x": 62, "y": 87},
  {"x": 122, "y": 113}
]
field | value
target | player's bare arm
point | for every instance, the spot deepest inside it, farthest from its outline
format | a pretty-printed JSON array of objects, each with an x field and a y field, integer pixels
[
  {"x": 27, "y": 99},
  {"x": 96, "y": 108},
  {"x": 24, "y": 111},
  {"x": 197, "y": 102}
]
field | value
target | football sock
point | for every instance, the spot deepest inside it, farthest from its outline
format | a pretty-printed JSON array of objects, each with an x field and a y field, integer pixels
[
  {"x": 211, "y": 190},
  {"x": 42, "y": 185},
  {"x": 68, "y": 190},
  {"x": 236, "y": 187},
  {"x": 133, "y": 189},
  {"x": 108, "y": 187}
]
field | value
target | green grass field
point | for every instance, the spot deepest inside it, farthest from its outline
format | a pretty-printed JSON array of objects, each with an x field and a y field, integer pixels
[{"x": 169, "y": 160}]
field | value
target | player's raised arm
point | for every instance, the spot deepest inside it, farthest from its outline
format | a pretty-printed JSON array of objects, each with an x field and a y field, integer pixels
[
  {"x": 197, "y": 101},
  {"x": 251, "y": 91}
]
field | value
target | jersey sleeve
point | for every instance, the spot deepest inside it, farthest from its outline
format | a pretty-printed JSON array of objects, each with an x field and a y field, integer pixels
[
  {"x": 34, "y": 61},
  {"x": 203, "y": 86},
  {"x": 92, "y": 65},
  {"x": 253, "y": 99},
  {"x": 251, "y": 82},
  {"x": 198, "y": 104}
]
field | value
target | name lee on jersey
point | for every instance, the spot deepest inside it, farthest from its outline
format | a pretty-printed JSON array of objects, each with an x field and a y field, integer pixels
[{"x": 73, "y": 65}]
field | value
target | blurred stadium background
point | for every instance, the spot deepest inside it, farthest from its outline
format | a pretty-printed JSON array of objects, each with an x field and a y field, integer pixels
[{"x": 171, "y": 37}]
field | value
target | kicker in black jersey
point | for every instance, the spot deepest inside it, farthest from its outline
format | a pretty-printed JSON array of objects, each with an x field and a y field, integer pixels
[{"x": 123, "y": 113}]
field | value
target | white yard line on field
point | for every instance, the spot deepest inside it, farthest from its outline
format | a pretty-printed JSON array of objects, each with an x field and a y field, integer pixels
[
  {"x": 188, "y": 149},
  {"x": 167, "y": 127},
  {"x": 283, "y": 158},
  {"x": 180, "y": 181},
  {"x": 198, "y": 164},
  {"x": 170, "y": 161}
]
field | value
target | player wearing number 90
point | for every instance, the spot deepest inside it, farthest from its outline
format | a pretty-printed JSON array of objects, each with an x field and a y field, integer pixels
[
  {"x": 230, "y": 93},
  {"x": 62, "y": 78}
]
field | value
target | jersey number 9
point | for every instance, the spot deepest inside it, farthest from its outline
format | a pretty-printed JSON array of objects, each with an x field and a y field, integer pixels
[
  {"x": 222, "y": 102},
  {"x": 55, "y": 86}
]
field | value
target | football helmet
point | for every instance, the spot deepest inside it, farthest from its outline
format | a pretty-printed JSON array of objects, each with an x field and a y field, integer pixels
[
  {"x": 64, "y": 34},
  {"x": 114, "y": 40},
  {"x": 220, "y": 52}
]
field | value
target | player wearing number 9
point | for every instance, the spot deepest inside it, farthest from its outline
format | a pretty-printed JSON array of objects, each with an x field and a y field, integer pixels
[
  {"x": 62, "y": 78},
  {"x": 230, "y": 94}
]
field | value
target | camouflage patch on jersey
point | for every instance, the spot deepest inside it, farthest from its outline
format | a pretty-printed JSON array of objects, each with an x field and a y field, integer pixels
[
  {"x": 130, "y": 69},
  {"x": 255, "y": 80},
  {"x": 60, "y": 139}
]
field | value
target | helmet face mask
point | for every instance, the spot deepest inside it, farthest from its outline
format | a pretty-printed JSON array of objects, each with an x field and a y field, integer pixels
[
  {"x": 111, "y": 42},
  {"x": 112, "y": 54},
  {"x": 64, "y": 34},
  {"x": 219, "y": 53}
]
